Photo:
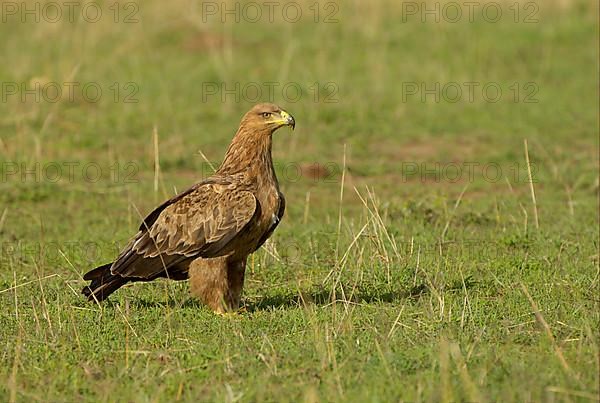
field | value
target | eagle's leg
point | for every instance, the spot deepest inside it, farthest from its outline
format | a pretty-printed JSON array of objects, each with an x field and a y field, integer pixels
[
  {"x": 218, "y": 282},
  {"x": 235, "y": 282}
]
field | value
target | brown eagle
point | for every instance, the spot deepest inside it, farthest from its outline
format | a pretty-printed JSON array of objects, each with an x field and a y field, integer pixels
[{"x": 207, "y": 232}]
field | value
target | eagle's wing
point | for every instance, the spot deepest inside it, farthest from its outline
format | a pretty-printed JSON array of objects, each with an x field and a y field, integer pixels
[
  {"x": 199, "y": 222},
  {"x": 276, "y": 220}
]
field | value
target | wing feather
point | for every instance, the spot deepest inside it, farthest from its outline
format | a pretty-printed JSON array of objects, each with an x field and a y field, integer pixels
[{"x": 200, "y": 222}]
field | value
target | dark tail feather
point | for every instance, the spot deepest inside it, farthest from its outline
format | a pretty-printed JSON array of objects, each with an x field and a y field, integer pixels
[{"x": 103, "y": 283}]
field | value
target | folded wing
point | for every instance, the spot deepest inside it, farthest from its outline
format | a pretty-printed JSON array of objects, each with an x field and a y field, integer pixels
[{"x": 201, "y": 222}]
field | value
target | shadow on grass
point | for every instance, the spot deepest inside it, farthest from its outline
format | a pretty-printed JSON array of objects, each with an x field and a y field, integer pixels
[
  {"x": 323, "y": 297},
  {"x": 318, "y": 295}
]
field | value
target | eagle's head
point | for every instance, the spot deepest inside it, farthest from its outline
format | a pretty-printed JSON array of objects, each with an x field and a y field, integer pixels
[
  {"x": 266, "y": 118},
  {"x": 251, "y": 145}
]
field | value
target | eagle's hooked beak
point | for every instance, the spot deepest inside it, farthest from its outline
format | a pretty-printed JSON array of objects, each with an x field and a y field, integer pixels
[{"x": 286, "y": 120}]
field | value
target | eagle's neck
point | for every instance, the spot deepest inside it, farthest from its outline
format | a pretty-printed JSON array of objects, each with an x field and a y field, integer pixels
[{"x": 250, "y": 153}]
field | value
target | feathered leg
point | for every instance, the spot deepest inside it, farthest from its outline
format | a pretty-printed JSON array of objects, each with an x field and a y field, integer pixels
[
  {"x": 235, "y": 282},
  {"x": 218, "y": 282}
]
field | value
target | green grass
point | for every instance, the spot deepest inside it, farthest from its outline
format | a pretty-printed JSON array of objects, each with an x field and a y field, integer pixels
[{"x": 410, "y": 286}]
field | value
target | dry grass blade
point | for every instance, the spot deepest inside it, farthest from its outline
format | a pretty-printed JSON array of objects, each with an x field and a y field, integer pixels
[
  {"x": 341, "y": 199},
  {"x": 575, "y": 393},
  {"x": 156, "y": 158},
  {"x": 14, "y": 287},
  {"x": 456, "y": 204},
  {"x": 470, "y": 387},
  {"x": 548, "y": 331},
  {"x": 339, "y": 268},
  {"x": 531, "y": 188},
  {"x": 210, "y": 164},
  {"x": 445, "y": 384}
]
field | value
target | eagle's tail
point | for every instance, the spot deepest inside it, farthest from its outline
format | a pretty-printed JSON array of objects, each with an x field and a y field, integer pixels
[{"x": 103, "y": 283}]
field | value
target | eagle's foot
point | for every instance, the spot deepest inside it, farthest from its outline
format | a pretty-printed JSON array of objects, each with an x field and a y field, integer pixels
[
  {"x": 233, "y": 313},
  {"x": 227, "y": 314}
]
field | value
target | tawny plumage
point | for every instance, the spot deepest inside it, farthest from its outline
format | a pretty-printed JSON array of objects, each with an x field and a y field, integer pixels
[{"x": 207, "y": 232}]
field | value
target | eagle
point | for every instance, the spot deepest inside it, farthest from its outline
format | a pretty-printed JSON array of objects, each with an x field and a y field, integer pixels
[{"x": 206, "y": 233}]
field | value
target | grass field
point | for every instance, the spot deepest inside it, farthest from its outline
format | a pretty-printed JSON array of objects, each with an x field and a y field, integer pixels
[{"x": 417, "y": 262}]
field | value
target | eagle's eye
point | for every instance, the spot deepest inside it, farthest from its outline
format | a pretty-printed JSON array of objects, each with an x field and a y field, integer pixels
[{"x": 266, "y": 115}]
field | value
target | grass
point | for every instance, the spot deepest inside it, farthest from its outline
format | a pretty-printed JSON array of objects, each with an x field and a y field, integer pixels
[{"x": 389, "y": 279}]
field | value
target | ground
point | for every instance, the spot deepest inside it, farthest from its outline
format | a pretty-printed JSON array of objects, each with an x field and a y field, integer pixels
[{"x": 416, "y": 261}]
